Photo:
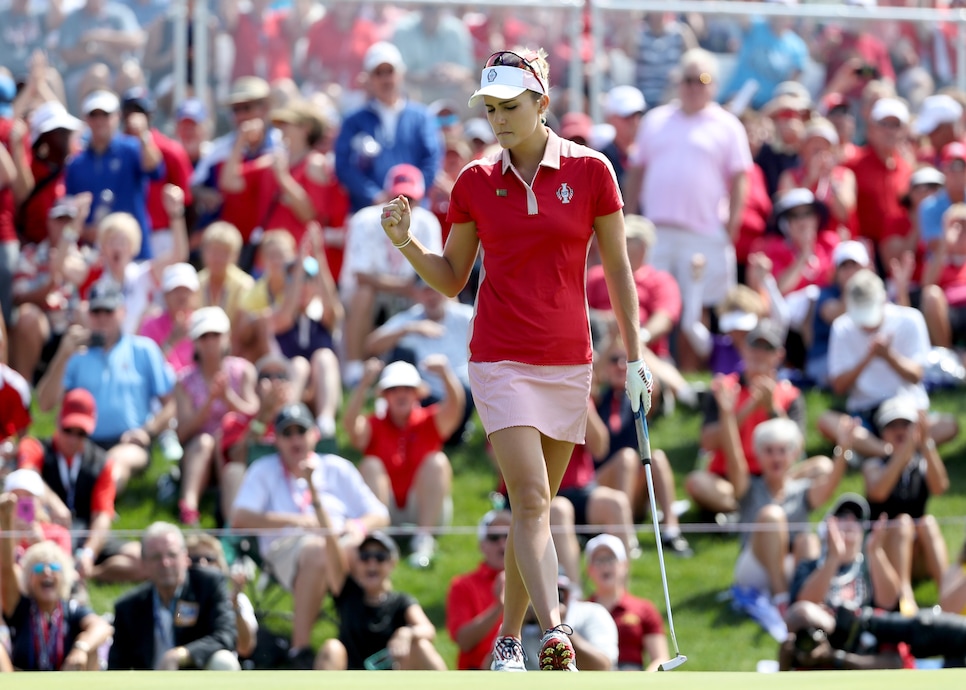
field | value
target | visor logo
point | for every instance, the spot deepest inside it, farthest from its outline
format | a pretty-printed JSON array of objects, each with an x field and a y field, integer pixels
[{"x": 491, "y": 76}]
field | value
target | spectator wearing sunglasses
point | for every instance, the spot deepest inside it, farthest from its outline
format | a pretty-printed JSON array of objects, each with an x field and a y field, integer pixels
[
  {"x": 374, "y": 618},
  {"x": 280, "y": 492},
  {"x": 700, "y": 214},
  {"x": 206, "y": 551},
  {"x": 388, "y": 130},
  {"x": 474, "y": 605},
  {"x": 79, "y": 490},
  {"x": 49, "y": 630},
  {"x": 190, "y": 608},
  {"x": 131, "y": 383}
]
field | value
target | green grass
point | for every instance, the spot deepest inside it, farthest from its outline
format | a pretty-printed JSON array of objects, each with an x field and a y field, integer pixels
[{"x": 708, "y": 631}]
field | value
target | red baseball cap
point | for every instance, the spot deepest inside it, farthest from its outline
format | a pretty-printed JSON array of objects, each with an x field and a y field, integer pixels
[
  {"x": 407, "y": 180},
  {"x": 953, "y": 151},
  {"x": 78, "y": 411}
]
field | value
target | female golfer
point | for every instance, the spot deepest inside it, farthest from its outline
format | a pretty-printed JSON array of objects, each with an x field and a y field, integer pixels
[{"x": 534, "y": 210}]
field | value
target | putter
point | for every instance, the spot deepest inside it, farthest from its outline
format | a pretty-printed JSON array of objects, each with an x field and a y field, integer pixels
[{"x": 644, "y": 446}]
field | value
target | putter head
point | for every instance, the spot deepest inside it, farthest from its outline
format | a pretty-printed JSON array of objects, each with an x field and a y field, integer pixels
[{"x": 672, "y": 664}]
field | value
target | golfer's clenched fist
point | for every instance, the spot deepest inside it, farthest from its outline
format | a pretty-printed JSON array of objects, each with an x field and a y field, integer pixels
[{"x": 395, "y": 219}]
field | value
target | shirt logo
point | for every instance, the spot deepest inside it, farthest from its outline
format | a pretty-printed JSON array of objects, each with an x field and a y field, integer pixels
[
  {"x": 491, "y": 76},
  {"x": 565, "y": 193},
  {"x": 115, "y": 164}
]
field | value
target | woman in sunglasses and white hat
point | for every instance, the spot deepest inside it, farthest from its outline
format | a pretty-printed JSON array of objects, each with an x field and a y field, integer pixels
[{"x": 534, "y": 210}]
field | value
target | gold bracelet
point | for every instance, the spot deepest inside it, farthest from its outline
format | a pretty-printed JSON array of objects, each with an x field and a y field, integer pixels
[{"x": 409, "y": 238}]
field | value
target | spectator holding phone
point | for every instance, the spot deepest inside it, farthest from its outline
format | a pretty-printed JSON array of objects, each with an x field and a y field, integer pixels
[{"x": 50, "y": 631}]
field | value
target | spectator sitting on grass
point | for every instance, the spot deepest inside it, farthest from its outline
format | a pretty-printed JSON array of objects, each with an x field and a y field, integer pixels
[
  {"x": 50, "y": 631},
  {"x": 193, "y": 622},
  {"x": 760, "y": 396},
  {"x": 474, "y": 605},
  {"x": 899, "y": 486},
  {"x": 279, "y": 492},
  {"x": 127, "y": 375},
  {"x": 640, "y": 630},
  {"x": 374, "y": 618},
  {"x": 878, "y": 350},
  {"x": 777, "y": 502},
  {"x": 78, "y": 482},
  {"x": 404, "y": 463},
  {"x": 205, "y": 551},
  {"x": 213, "y": 385}
]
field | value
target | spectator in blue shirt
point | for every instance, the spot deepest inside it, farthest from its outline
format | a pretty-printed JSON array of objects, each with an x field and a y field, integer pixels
[
  {"x": 953, "y": 166},
  {"x": 386, "y": 131},
  {"x": 115, "y": 168},
  {"x": 771, "y": 52},
  {"x": 131, "y": 383}
]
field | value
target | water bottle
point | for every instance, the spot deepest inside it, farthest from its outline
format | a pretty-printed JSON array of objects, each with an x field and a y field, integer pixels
[{"x": 170, "y": 446}]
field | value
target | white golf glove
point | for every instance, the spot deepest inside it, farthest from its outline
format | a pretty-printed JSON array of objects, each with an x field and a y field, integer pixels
[{"x": 639, "y": 385}]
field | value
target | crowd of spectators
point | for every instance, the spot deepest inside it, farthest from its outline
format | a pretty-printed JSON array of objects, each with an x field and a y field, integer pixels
[{"x": 208, "y": 279}]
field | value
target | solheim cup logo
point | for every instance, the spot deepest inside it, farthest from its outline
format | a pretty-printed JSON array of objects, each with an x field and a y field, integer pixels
[{"x": 491, "y": 76}]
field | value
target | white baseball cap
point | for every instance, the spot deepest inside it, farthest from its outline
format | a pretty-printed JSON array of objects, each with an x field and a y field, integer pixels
[
  {"x": 180, "y": 275},
  {"x": 899, "y": 407},
  {"x": 744, "y": 321},
  {"x": 478, "y": 128},
  {"x": 926, "y": 175},
  {"x": 49, "y": 117},
  {"x": 850, "y": 250},
  {"x": 936, "y": 110},
  {"x": 382, "y": 53},
  {"x": 208, "y": 320},
  {"x": 624, "y": 100},
  {"x": 822, "y": 128},
  {"x": 885, "y": 108},
  {"x": 399, "y": 375},
  {"x": 101, "y": 100},
  {"x": 24, "y": 480},
  {"x": 607, "y": 541},
  {"x": 865, "y": 299}
]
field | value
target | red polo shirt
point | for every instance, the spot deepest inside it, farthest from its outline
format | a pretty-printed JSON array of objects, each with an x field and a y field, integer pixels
[
  {"x": 878, "y": 190},
  {"x": 636, "y": 619},
  {"x": 532, "y": 303},
  {"x": 178, "y": 168},
  {"x": 14, "y": 403},
  {"x": 470, "y": 595},
  {"x": 657, "y": 291},
  {"x": 403, "y": 449}
]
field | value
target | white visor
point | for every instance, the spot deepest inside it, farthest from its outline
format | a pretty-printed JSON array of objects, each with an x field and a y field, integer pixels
[
  {"x": 737, "y": 321},
  {"x": 505, "y": 83}
]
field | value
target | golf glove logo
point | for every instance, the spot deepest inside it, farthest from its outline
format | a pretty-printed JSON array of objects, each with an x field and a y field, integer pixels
[{"x": 639, "y": 385}]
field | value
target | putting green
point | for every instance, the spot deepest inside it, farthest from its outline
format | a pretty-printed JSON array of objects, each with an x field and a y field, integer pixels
[{"x": 365, "y": 680}]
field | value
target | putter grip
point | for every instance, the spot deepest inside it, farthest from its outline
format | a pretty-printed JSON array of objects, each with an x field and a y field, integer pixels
[{"x": 643, "y": 438}]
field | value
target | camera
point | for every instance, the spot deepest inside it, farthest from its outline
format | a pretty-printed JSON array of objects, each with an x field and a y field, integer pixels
[
  {"x": 867, "y": 72},
  {"x": 96, "y": 340}
]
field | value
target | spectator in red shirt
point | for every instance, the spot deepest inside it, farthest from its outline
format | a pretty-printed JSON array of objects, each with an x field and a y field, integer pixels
[
  {"x": 79, "y": 490},
  {"x": 658, "y": 295},
  {"x": 821, "y": 172},
  {"x": 264, "y": 38},
  {"x": 474, "y": 605},
  {"x": 800, "y": 255},
  {"x": 177, "y": 168},
  {"x": 943, "y": 297},
  {"x": 404, "y": 463},
  {"x": 336, "y": 44},
  {"x": 14, "y": 403},
  {"x": 640, "y": 630},
  {"x": 51, "y": 127},
  {"x": 882, "y": 175}
]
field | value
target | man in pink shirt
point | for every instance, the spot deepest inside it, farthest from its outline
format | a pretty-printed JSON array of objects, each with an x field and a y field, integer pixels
[{"x": 688, "y": 174}]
